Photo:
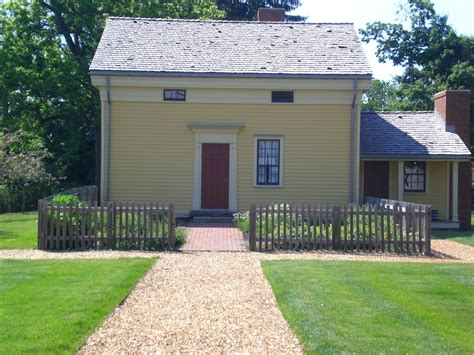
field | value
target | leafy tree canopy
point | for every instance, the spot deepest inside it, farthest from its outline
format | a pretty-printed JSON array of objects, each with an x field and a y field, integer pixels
[
  {"x": 22, "y": 166},
  {"x": 46, "y": 49},
  {"x": 434, "y": 56},
  {"x": 382, "y": 96}
]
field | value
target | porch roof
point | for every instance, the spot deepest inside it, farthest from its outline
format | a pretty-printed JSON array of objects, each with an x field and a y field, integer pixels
[{"x": 408, "y": 134}]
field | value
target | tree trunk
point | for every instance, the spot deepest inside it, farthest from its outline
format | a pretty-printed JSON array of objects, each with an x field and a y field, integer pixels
[{"x": 23, "y": 200}]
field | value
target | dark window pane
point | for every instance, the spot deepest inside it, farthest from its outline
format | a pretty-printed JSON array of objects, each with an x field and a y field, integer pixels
[
  {"x": 282, "y": 96},
  {"x": 268, "y": 162},
  {"x": 174, "y": 95},
  {"x": 415, "y": 176}
]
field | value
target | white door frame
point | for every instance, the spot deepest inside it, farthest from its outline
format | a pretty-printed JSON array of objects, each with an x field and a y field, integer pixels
[{"x": 225, "y": 134}]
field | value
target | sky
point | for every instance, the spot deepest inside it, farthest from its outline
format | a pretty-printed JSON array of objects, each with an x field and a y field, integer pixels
[{"x": 460, "y": 17}]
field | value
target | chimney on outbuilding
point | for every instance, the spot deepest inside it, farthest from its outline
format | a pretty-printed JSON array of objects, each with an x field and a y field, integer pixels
[
  {"x": 454, "y": 108},
  {"x": 267, "y": 14}
]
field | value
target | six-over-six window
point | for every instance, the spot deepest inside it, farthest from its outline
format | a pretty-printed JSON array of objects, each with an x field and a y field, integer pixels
[
  {"x": 415, "y": 176},
  {"x": 268, "y": 162}
]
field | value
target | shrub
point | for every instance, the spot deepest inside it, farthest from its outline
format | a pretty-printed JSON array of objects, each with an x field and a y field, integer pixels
[
  {"x": 69, "y": 200},
  {"x": 128, "y": 245},
  {"x": 153, "y": 221},
  {"x": 180, "y": 236},
  {"x": 242, "y": 221}
]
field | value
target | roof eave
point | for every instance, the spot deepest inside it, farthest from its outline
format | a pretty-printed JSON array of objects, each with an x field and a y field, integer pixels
[
  {"x": 367, "y": 76},
  {"x": 415, "y": 157}
]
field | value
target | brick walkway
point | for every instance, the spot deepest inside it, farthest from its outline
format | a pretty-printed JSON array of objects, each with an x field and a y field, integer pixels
[{"x": 214, "y": 237}]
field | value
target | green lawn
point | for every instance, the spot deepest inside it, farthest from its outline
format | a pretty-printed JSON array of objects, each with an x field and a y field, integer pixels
[
  {"x": 374, "y": 307},
  {"x": 463, "y": 237},
  {"x": 18, "y": 230},
  {"x": 51, "y": 306}
]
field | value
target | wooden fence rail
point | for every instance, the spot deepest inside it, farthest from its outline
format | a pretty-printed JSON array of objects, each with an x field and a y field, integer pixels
[
  {"x": 366, "y": 228},
  {"x": 122, "y": 226}
]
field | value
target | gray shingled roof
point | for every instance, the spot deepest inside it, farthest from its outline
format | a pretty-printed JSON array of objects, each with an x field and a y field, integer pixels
[
  {"x": 230, "y": 48},
  {"x": 408, "y": 134}
]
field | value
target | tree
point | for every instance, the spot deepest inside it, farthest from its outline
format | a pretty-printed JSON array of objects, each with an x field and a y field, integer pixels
[
  {"x": 380, "y": 97},
  {"x": 22, "y": 166},
  {"x": 246, "y": 10},
  {"x": 434, "y": 56},
  {"x": 47, "y": 46}
]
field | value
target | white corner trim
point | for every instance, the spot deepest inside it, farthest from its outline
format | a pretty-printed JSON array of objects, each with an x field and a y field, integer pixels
[
  {"x": 256, "y": 137},
  {"x": 201, "y": 136}
]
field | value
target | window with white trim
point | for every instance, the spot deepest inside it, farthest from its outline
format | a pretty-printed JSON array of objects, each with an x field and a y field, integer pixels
[
  {"x": 415, "y": 176},
  {"x": 268, "y": 162}
]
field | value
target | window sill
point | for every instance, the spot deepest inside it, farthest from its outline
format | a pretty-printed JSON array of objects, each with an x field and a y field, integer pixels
[
  {"x": 268, "y": 186},
  {"x": 415, "y": 192}
]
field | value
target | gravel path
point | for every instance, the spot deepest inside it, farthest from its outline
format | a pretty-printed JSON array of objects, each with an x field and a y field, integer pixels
[
  {"x": 443, "y": 250},
  {"x": 200, "y": 303},
  {"x": 453, "y": 250}
]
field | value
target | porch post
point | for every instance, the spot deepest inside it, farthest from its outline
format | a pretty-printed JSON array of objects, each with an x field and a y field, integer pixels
[
  {"x": 401, "y": 168},
  {"x": 448, "y": 188},
  {"x": 455, "y": 191}
]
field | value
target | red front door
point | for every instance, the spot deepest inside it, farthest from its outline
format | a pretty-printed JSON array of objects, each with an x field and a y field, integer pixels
[{"x": 215, "y": 176}]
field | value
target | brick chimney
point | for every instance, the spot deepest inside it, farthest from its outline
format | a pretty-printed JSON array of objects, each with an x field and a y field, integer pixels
[
  {"x": 454, "y": 108},
  {"x": 266, "y": 14}
]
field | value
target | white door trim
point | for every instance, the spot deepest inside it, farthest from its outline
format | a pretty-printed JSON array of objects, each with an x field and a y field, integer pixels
[{"x": 213, "y": 135}]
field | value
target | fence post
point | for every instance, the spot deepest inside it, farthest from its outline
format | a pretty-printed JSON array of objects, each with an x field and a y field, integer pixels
[
  {"x": 40, "y": 225},
  {"x": 252, "y": 228},
  {"x": 109, "y": 225},
  {"x": 336, "y": 227},
  {"x": 172, "y": 225},
  {"x": 428, "y": 231}
]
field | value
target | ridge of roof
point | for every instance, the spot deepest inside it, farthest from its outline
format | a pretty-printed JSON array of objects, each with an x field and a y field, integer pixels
[{"x": 162, "y": 19}]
